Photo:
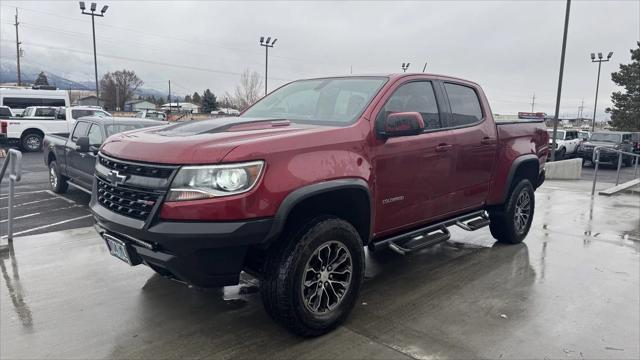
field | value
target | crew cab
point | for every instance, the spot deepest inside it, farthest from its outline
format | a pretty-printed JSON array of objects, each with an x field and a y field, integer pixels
[
  {"x": 608, "y": 141},
  {"x": 28, "y": 130},
  {"x": 567, "y": 142},
  {"x": 294, "y": 188},
  {"x": 71, "y": 157}
]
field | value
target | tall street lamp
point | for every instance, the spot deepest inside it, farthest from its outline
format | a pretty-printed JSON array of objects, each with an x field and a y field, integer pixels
[
  {"x": 267, "y": 44},
  {"x": 93, "y": 14},
  {"x": 405, "y": 67},
  {"x": 595, "y": 105}
]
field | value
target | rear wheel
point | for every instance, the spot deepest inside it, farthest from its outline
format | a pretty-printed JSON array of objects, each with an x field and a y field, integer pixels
[
  {"x": 56, "y": 180},
  {"x": 31, "y": 142},
  {"x": 511, "y": 222},
  {"x": 312, "y": 280}
]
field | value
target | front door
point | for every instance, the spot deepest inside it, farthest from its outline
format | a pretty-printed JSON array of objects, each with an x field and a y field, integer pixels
[
  {"x": 75, "y": 159},
  {"x": 412, "y": 172}
]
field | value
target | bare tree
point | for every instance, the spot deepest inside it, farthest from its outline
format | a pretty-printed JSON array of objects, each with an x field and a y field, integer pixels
[
  {"x": 247, "y": 91},
  {"x": 118, "y": 87}
]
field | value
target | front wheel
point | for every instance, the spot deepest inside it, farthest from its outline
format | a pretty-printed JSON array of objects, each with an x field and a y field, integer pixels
[
  {"x": 511, "y": 222},
  {"x": 312, "y": 279},
  {"x": 560, "y": 154}
]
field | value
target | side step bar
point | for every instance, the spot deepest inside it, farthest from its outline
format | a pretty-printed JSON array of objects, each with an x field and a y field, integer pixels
[{"x": 432, "y": 234}]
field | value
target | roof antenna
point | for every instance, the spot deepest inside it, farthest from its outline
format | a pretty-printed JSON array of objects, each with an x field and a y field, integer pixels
[{"x": 425, "y": 67}]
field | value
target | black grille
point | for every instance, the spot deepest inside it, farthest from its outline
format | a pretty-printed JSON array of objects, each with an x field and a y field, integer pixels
[
  {"x": 137, "y": 169},
  {"x": 126, "y": 201}
]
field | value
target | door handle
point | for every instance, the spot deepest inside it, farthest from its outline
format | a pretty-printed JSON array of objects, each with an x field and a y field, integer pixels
[
  {"x": 443, "y": 147},
  {"x": 487, "y": 141}
]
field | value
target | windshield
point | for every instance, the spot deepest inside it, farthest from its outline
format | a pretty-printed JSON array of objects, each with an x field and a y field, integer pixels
[
  {"x": 559, "y": 134},
  {"x": 333, "y": 101},
  {"x": 608, "y": 137},
  {"x": 118, "y": 128}
]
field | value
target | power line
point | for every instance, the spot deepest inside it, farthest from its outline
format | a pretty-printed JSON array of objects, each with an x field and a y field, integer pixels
[{"x": 152, "y": 62}]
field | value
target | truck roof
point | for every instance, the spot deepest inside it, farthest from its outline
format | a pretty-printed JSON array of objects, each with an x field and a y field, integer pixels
[{"x": 394, "y": 76}]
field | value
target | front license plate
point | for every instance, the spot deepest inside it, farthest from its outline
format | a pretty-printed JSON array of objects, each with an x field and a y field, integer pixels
[{"x": 117, "y": 248}]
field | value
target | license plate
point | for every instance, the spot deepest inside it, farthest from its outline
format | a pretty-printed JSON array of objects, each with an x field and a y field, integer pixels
[{"x": 117, "y": 248}]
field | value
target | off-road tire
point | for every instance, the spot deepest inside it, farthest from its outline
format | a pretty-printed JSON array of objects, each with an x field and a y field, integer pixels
[
  {"x": 281, "y": 283},
  {"x": 560, "y": 154},
  {"x": 31, "y": 142},
  {"x": 503, "y": 218},
  {"x": 57, "y": 182}
]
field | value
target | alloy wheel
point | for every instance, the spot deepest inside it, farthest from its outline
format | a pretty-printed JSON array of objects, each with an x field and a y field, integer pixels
[
  {"x": 327, "y": 277},
  {"x": 522, "y": 211}
]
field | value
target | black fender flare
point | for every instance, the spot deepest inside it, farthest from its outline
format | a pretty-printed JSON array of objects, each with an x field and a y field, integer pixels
[
  {"x": 512, "y": 171},
  {"x": 299, "y": 195}
]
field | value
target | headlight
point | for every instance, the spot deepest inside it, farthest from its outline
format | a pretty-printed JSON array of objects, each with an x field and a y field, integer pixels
[{"x": 204, "y": 182}]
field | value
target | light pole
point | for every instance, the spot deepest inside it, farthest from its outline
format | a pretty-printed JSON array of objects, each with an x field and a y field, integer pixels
[
  {"x": 267, "y": 44},
  {"x": 93, "y": 14},
  {"x": 595, "y": 105},
  {"x": 405, "y": 67}
]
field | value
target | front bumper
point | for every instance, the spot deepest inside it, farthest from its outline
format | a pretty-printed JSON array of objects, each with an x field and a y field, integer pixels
[
  {"x": 605, "y": 156},
  {"x": 204, "y": 254}
]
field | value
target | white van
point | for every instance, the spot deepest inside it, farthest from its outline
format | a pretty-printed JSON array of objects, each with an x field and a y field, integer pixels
[{"x": 19, "y": 99}]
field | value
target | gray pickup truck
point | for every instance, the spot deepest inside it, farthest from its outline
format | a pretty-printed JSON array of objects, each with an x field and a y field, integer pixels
[{"x": 71, "y": 157}]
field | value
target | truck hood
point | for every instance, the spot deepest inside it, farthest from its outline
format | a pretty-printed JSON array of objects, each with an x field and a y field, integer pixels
[{"x": 198, "y": 142}]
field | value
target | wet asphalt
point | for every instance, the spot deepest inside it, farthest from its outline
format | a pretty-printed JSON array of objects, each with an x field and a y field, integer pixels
[{"x": 570, "y": 291}]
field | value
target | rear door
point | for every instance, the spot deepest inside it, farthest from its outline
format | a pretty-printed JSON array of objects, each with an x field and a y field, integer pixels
[
  {"x": 475, "y": 145},
  {"x": 412, "y": 172}
]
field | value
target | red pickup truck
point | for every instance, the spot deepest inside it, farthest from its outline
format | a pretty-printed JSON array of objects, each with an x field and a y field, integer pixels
[{"x": 294, "y": 188}]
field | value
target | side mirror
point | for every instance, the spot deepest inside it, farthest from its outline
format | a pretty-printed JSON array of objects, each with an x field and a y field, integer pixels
[
  {"x": 401, "y": 124},
  {"x": 82, "y": 144}
]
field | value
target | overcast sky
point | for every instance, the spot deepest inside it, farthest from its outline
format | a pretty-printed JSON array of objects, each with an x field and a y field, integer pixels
[{"x": 512, "y": 48}]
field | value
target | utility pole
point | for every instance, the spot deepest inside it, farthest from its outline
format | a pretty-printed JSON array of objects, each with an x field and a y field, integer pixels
[
  {"x": 169, "y": 96},
  {"x": 533, "y": 101},
  {"x": 267, "y": 44},
  {"x": 595, "y": 104},
  {"x": 18, "y": 48},
  {"x": 564, "y": 49},
  {"x": 93, "y": 15},
  {"x": 580, "y": 109}
]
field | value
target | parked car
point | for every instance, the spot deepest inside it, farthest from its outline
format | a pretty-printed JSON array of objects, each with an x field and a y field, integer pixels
[
  {"x": 293, "y": 189},
  {"x": 151, "y": 114},
  {"x": 607, "y": 140},
  {"x": 19, "y": 99},
  {"x": 225, "y": 111},
  {"x": 635, "y": 140},
  {"x": 71, "y": 157},
  {"x": 567, "y": 142},
  {"x": 29, "y": 130}
]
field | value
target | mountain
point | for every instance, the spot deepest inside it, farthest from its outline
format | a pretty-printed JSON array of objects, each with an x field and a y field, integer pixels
[{"x": 29, "y": 75}]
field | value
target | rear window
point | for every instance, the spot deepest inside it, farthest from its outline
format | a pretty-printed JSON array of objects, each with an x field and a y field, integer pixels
[
  {"x": 465, "y": 105},
  {"x": 24, "y": 102}
]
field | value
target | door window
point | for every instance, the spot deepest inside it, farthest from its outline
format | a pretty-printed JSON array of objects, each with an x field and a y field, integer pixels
[
  {"x": 415, "y": 96},
  {"x": 80, "y": 130},
  {"x": 465, "y": 105},
  {"x": 95, "y": 135}
]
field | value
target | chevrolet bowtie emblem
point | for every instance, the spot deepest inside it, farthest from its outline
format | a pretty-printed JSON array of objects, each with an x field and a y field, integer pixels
[{"x": 115, "y": 178}]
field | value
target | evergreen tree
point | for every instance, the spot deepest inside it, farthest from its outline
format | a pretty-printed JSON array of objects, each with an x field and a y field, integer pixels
[
  {"x": 625, "y": 114},
  {"x": 42, "y": 79},
  {"x": 196, "y": 98},
  {"x": 209, "y": 101}
]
